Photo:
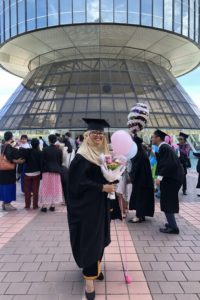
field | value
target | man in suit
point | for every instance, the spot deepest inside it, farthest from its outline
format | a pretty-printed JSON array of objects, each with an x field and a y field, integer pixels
[{"x": 170, "y": 178}]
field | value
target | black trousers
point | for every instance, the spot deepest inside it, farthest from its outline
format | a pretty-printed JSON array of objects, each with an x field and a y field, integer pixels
[{"x": 185, "y": 183}]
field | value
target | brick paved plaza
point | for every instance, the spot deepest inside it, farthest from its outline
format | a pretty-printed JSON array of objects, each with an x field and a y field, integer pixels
[{"x": 36, "y": 261}]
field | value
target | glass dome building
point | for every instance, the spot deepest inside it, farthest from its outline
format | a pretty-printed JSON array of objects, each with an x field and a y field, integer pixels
[{"x": 97, "y": 58}]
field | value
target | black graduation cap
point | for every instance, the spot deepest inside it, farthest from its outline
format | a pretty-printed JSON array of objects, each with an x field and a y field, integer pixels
[
  {"x": 184, "y": 135},
  {"x": 96, "y": 124},
  {"x": 160, "y": 133}
]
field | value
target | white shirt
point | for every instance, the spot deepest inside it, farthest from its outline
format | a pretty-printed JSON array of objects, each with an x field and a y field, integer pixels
[{"x": 160, "y": 177}]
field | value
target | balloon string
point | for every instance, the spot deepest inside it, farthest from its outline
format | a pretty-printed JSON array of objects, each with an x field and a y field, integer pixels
[{"x": 124, "y": 239}]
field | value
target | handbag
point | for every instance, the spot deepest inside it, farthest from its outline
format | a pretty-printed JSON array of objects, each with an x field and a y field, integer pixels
[{"x": 5, "y": 165}]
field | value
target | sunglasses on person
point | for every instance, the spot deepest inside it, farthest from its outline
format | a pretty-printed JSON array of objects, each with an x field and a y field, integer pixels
[{"x": 97, "y": 133}]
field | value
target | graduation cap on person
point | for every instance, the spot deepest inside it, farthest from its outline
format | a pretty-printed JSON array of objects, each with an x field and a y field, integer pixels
[
  {"x": 96, "y": 124},
  {"x": 184, "y": 135},
  {"x": 161, "y": 134}
]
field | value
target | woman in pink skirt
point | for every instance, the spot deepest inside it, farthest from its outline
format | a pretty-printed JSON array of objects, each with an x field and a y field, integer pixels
[{"x": 51, "y": 188}]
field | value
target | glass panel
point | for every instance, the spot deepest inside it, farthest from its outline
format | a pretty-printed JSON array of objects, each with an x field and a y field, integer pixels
[
  {"x": 147, "y": 12},
  {"x": 52, "y": 12},
  {"x": 41, "y": 14},
  {"x": 185, "y": 18},
  {"x": 1, "y": 22},
  {"x": 7, "y": 20},
  {"x": 120, "y": 11},
  {"x": 158, "y": 13},
  {"x": 31, "y": 15},
  {"x": 197, "y": 38},
  {"x": 177, "y": 16},
  {"x": 168, "y": 5},
  {"x": 134, "y": 11},
  {"x": 93, "y": 11},
  {"x": 192, "y": 18},
  {"x": 65, "y": 11},
  {"x": 106, "y": 11},
  {"x": 13, "y": 10},
  {"x": 79, "y": 11},
  {"x": 21, "y": 16}
]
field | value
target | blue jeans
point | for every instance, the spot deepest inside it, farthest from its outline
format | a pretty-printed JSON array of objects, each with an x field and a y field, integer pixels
[{"x": 171, "y": 220}]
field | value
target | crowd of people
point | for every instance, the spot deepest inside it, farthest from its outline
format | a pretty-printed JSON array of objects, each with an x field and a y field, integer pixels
[{"x": 67, "y": 171}]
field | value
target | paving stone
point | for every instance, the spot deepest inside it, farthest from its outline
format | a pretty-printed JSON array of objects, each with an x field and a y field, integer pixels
[
  {"x": 61, "y": 257},
  {"x": 26, "y": 258},
  {"x": 194, "y": 265},
  {"x": 174, "y": 276},
  {"x": 181, "y": 257},
  {"x": 191, "y": 287},
  {"x": 187, "y": 297},
  {"x": 18, "y": 288},
  {"x": 153, "y": 250},
  {"x": 9, "y": 258},
  {"x": 24, "y": 297},
  {"x": 14, "y": 277},
  {"x": 154, "y": 288},
  {"x": 164, "y": 297},
  {"x": 30, "y": 267},
  {"x": 164, "y": 257},
  {"x": 184, "y": 250},
  {"x": 3, "y": 287},
  {"x": 2, "y": 275},
  {"x": 11, "y": 267},
  {"x": 155, "y": 276},
  {"x": 147, "y": 257},
  {"x": 178, "y": 266},
  {"x": 55, "y": 276},
  {"x": 35, "y": 276},
  {"x": 160, "y": 266},
  {"x": 51, "y": 266},
  {"x": 44, "y": 258},
  {"x": 170, "y": 287}
]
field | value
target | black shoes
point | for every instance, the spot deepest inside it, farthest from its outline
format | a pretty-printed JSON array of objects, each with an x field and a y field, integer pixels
[
  {"x": 52, "y": 208},
  {"x": 44, "y": 209},
  {"x": 90, "y": 296},
  {"x": 100, "y": 277},
  {"x": 169, "y": 230},
  {"x": 184, "y": 193}
]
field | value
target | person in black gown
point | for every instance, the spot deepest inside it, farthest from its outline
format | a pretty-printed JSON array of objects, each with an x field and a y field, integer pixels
[
  {"x": 88, "y": 206},
  {"x": 142, "y": 197},
  {"x": 170, "y": 178}
]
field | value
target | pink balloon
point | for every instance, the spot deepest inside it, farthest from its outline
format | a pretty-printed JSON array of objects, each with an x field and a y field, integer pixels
[{"x": 121, "y": 142}]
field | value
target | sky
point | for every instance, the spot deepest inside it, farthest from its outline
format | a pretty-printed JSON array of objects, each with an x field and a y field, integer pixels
[{"x": 190, "y": 82}]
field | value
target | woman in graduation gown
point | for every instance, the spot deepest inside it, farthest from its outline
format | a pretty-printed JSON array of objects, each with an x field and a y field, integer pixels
[
  {"x": 88, "y": 206},
  {"x": 142, "y": 197}
]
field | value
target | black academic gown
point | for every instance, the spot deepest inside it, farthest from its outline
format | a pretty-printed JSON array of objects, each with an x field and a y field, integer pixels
[
  {"x": 88, "y": 212},
  {"x": 142, "y": 197},
  {"x": 168, "y": 166}
]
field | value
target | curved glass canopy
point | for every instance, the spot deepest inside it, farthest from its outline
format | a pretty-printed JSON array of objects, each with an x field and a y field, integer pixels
[
  {"x": 20, "y": 16},
  {"x": 60, "y": 94}
]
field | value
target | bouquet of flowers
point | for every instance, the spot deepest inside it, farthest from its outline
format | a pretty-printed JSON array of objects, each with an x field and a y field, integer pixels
[{"x": 112, "y": 168}]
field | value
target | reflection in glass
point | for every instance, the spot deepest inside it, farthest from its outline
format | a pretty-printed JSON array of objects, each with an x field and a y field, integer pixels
[
  {"x": 93, "y": 11},
  {"x": 120, "y": 11},
  {"x": 7, "y": 19},
  {"x": 197, "y": 37},
  {"x": 177, "y": 16},
  {"x": 106, "y": 11},
  {"x": 158, "y": 13},
  {"x": 65, "y": 11},
  {"x": 21, "y": 16},
  {"x": 146, "y": 12},
  {"x": 31, "y": 15},
  {"x": 79, "y": 11},
  {"x": 185, "y": 18},
  {"x": 52, "y": 12},
  {"x": 192, "y": 19},
  {"x": 134, "y": 11},
  {"x": 168, "y": 14},
  {"x": 41, "y": 14}
]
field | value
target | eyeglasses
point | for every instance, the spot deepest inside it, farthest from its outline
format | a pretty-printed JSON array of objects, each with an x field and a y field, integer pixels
[
  {"x": 97, "y": 133},
  {"x": 180, "y": 139}
]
